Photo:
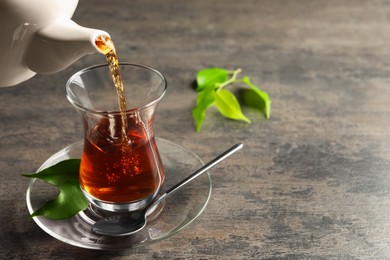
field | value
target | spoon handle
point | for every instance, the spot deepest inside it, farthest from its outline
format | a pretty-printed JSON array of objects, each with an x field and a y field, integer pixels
[{"x": 198, "y": 172}]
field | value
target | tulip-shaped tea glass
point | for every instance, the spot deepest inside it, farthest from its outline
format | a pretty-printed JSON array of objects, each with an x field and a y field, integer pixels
[{"x": 120, "y": 168}]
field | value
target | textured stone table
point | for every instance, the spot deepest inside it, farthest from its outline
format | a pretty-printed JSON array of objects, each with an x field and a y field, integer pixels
[{"x": 312, "y": 182}]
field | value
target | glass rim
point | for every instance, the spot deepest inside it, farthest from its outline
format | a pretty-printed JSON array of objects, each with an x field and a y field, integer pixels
[{"x": 115, "y": 112}]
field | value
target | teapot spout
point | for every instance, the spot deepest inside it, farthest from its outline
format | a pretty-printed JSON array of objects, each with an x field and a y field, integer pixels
[{"x": 57, "y": 46}]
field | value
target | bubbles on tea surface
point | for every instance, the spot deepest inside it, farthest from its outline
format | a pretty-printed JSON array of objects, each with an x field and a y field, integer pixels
[
  {"x": 107, "y": 135},
  {"x": 129, "y": 165},
  {"x": 104, "y": 136}
]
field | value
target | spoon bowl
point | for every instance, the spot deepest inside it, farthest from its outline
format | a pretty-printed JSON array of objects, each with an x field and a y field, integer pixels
[{"x": 133, "y": 221}]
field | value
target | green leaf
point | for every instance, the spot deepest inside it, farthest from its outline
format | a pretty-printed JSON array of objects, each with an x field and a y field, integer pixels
[
  {"x": 210, "y": 77},
  {"x": 70, "y": 200},
  {"x": 205, "y": 99},
  {"x": 228, "y": 105},
  {"x": 214, "y": 80},
  {"x": 254, "y": 97}
]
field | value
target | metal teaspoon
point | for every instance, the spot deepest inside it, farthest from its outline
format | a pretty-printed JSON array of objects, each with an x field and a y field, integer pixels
[{"x": 134, "y": 221}]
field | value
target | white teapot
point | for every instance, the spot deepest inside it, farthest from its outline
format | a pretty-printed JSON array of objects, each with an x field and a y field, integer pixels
[{"x": 38, "y": 36}]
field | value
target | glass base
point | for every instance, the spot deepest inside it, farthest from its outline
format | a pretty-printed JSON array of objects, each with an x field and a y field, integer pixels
[
  {"x": 120, "y": 207},
  {"x": 179, "y": 210},
  {"x": 93, "y": 214}
]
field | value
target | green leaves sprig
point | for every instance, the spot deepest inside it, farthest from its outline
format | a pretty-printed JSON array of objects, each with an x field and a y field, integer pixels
[
  {"x": 70, "y": 200},
  {"x": 211, "y": 83}
]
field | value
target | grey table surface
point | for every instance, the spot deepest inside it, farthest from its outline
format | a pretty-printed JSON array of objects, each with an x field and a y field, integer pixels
[{"x": 312, "y": 182}]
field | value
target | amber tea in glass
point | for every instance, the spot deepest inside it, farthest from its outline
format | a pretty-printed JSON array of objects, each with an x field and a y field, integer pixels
[{"x": 120, "y": 169}]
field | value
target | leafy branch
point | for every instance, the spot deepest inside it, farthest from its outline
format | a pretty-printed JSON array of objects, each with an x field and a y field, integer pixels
[{"x": 211, "y": 83}]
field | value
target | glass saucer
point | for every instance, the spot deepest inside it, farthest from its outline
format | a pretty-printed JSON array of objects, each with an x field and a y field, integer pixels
[{"x": 179, "y": 210}]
